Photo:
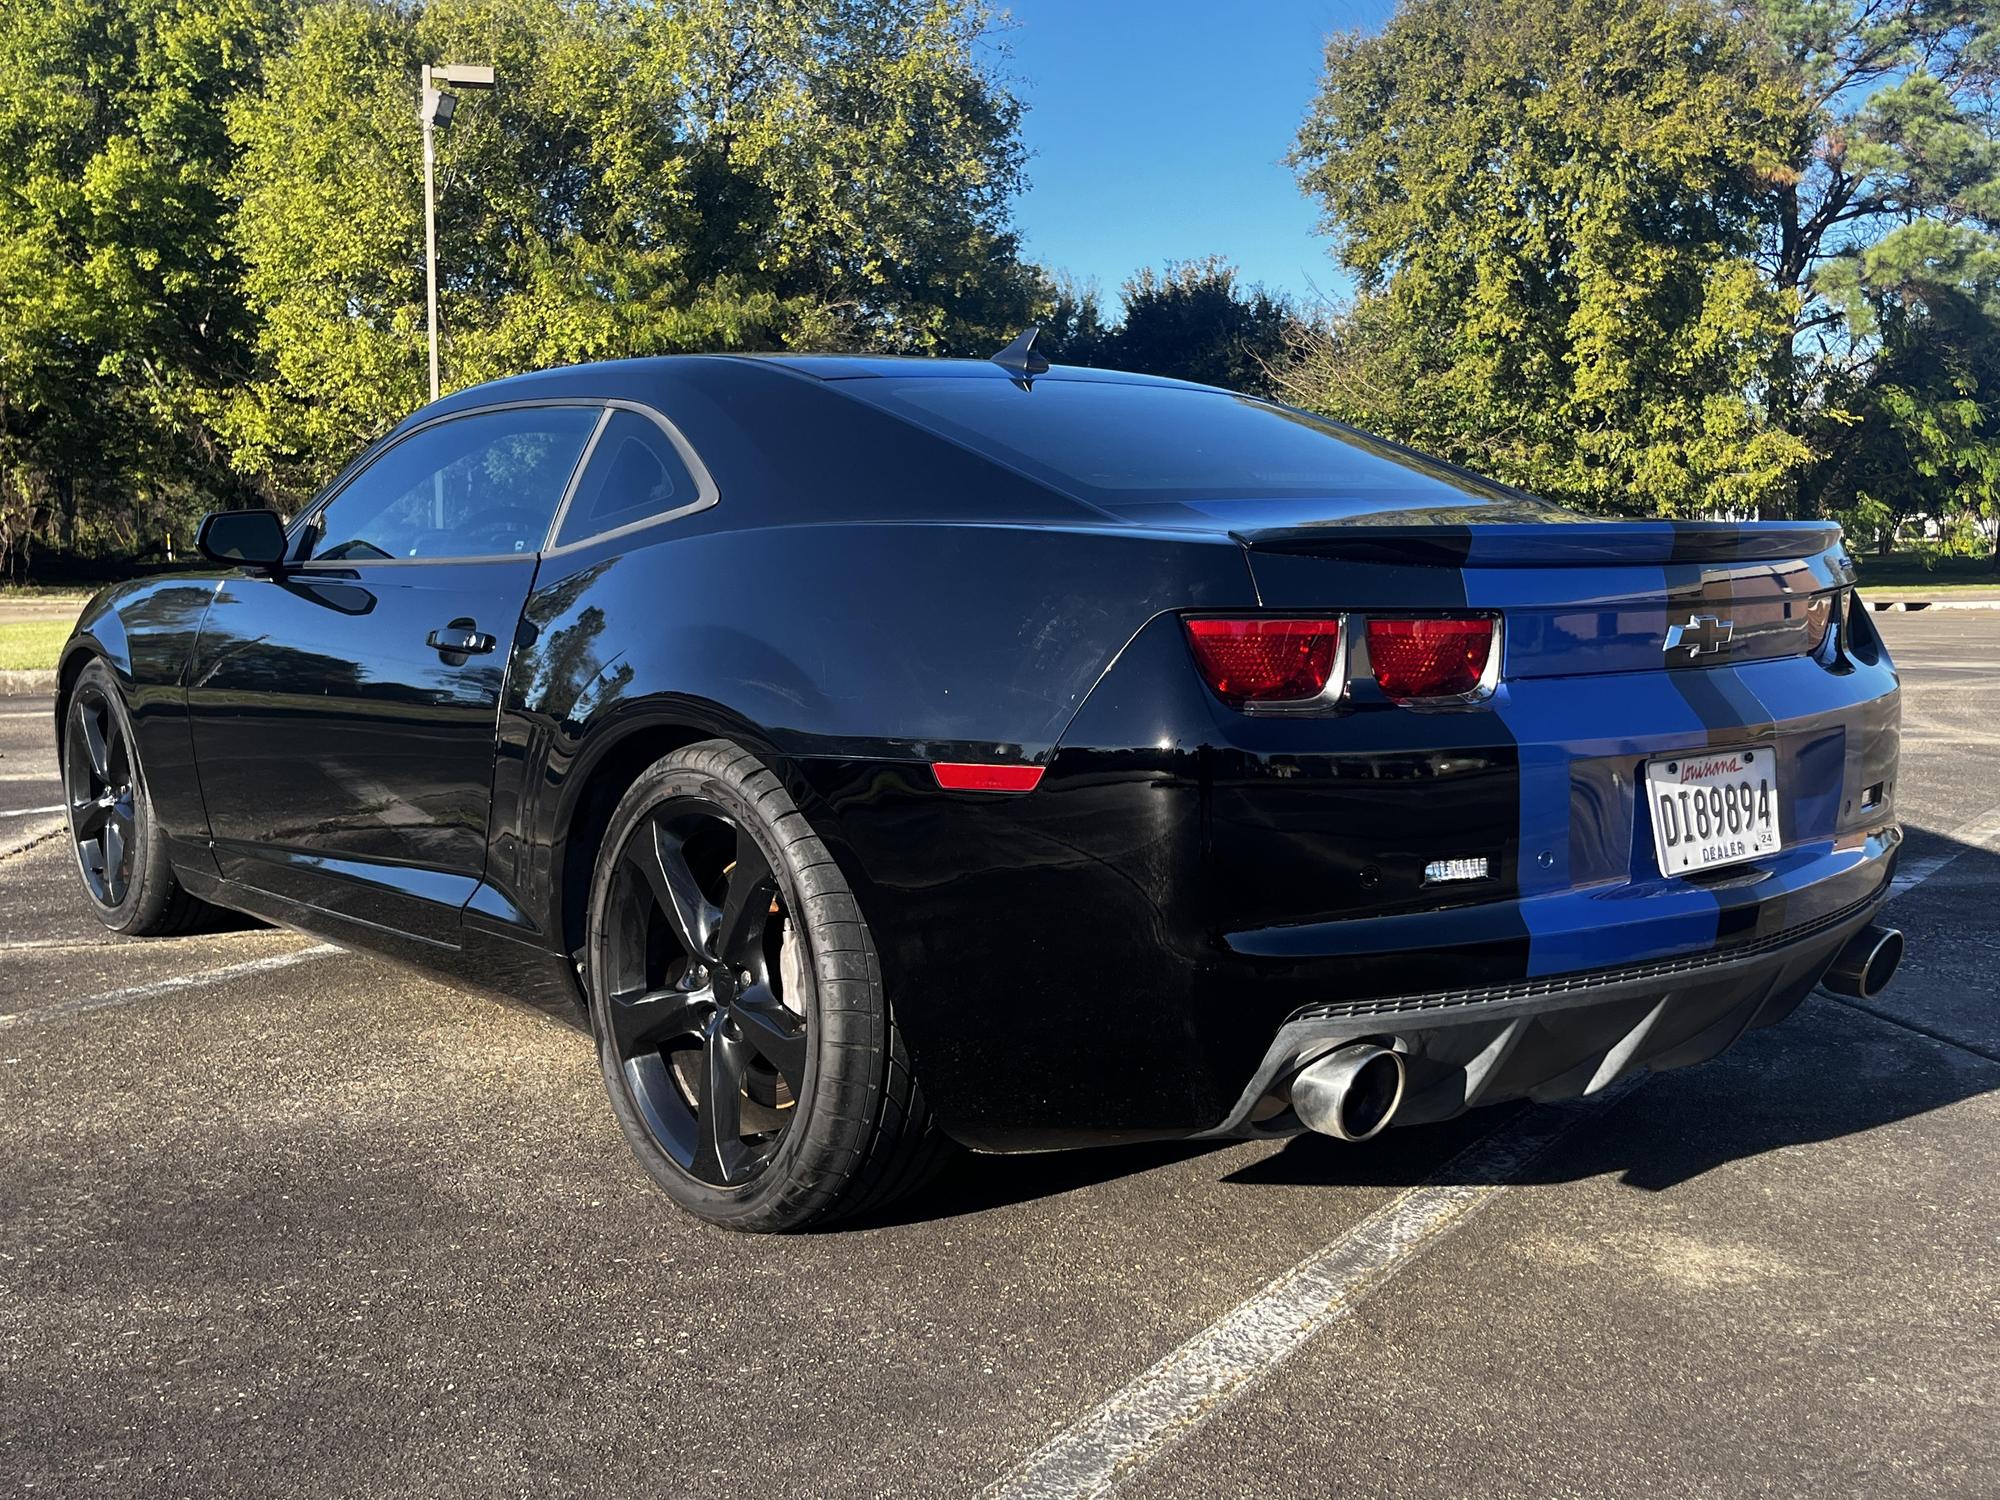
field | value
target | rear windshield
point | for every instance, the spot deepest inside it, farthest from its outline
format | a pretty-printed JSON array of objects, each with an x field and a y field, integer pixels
[{"x": 1131, "y": 447}]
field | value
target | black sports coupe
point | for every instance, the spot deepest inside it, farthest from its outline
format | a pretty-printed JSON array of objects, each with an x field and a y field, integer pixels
[{"x": 889, "y": 753}]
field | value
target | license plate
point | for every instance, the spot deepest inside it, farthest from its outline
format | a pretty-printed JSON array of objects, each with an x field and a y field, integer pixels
[{"x": 1715, "y": 807}]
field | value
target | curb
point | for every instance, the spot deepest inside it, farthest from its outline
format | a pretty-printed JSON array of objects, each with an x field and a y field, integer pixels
[{"x": 27, "y": 684}]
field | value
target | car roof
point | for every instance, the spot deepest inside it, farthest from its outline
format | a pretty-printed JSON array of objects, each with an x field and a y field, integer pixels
[
  {"x": 613, "y": 378},
  {"x": 869, "y": 366}
]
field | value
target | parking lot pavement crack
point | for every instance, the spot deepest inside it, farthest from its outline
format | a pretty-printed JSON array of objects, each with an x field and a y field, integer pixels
[{"x": 20, "y": 842}]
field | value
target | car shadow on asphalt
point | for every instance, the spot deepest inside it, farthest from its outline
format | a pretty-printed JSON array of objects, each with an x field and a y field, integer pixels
[{"x": 975, "y": 1183}]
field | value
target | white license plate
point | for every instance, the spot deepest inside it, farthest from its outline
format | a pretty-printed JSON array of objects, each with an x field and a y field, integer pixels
[{"x": 1713, "y": 807}]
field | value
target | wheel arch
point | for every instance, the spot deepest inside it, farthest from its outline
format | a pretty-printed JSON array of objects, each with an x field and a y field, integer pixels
[
  {"x": 604, "y": 766},
  {"x": 78, "y": 653}
]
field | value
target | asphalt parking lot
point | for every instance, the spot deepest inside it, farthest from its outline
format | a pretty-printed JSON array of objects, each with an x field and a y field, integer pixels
[{"x": 279, "y": 1220}]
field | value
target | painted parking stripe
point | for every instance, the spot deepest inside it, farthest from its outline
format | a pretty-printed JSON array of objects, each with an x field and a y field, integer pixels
[
  {"x": 1224, "y": 1359},
  {"x": 1220, "y": 1363},
  {"x": 64, "y": 1010},
  {"x": 28, "y": 812}
]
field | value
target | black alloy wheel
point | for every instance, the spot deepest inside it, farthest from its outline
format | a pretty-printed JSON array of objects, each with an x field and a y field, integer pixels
[
  {"x": 746, "y": 1042},
  {"x": 121, "y": 852},
  {"x": 98, "y": 779},
  {"x": 712, "y": 1051}
]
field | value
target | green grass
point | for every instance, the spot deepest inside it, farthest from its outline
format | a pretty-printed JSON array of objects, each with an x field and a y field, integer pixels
[
  {"x": 78, "y": 592},
  {"x": 32, "y": 645},
  {"x": 1906, "y": 570}
]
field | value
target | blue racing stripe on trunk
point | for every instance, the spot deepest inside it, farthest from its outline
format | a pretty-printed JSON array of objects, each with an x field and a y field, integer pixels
[{"x": 1553, "y": 722}]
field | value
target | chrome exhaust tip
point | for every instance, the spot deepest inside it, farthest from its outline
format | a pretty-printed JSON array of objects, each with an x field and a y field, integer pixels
[
  {"x": 1351, "y": 1094},
  {"x": 1865, "y": 965}
]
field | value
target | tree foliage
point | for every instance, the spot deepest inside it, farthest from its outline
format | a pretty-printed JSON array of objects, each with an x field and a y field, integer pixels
[
  {"x": 1192, "y": 321},
  {"x": 211, "y": 226},
  {"x": 121, "y": 321},
  {"x": 1883, "y": 223},
  {"x": 1667, "y": 255},
  {"x": 1549, "y": 209},
  {"x": 710, "y": 175}
]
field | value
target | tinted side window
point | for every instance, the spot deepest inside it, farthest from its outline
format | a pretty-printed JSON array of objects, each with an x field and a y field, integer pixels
[
  {"x": 471, "y": 487},
  {"x": 635, "y": 472}
]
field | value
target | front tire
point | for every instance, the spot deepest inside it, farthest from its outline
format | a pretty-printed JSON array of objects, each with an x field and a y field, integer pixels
[
  {"x": 120, "y": 849},
  {"x": 742, "y": 1028}
]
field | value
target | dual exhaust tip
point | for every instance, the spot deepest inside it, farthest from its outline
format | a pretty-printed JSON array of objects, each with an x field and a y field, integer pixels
[{"x": 1353, "y": 1093}]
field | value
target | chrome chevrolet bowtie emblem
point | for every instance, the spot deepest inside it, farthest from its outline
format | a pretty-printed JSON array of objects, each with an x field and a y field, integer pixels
[{"x": 1703, "y": 635}]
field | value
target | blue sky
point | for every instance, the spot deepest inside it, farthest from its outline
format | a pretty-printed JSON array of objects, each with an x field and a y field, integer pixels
[{"x": 1158, "y": 130}]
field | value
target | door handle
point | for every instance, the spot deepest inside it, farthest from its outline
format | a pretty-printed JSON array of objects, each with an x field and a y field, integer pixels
[{"x": 459, "y": 638}]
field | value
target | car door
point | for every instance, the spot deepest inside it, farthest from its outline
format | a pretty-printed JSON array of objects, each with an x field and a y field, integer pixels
[{"x": 343, "y": 710}]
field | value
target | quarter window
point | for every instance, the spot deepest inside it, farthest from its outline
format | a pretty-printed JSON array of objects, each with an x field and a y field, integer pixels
[
  {"x": 634, "y": 474},
  {"x": 476, "y": 486}
]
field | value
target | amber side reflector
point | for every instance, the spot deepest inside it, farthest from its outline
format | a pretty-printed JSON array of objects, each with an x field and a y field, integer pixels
[{"x": 964, "y": 776}]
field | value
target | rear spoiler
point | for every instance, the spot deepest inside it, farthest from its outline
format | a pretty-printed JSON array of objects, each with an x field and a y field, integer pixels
[{"x": 1564, "y": 544}]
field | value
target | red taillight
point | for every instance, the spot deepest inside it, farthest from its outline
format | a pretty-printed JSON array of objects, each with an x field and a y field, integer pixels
[
  {"x": 1445, "y": 658},
  {"x": 1265, "y": 660}
]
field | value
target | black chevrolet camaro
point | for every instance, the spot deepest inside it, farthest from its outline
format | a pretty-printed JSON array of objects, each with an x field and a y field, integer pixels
[{"x": 885, "y": 753}]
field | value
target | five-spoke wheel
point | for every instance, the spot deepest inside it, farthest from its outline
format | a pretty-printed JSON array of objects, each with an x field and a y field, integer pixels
[
  {"x": 97, "y": 776},
  {"x": 712, "y": 1043},
  {"x": 121, "y": 853},
  {"x": 746, "y": 1042}
]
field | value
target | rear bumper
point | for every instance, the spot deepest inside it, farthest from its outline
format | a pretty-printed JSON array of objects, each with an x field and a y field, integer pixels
[
  {"x": 1111, "y": 957},
  {"x": 1559, "y": 1036}
]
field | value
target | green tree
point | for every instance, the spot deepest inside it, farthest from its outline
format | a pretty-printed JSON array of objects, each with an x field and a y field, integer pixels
[
  {"x": 1070, "y": 316},
  {"x": 1672, "y": 255},
  {"x": 121, "y": 322},
  {"x": 1918, "y": 434},
  {"x": 709, "y": 175},
  {"x": 1550, "y": 210},
  {"x": 1194, "y": 322},
  {"x": 1878, "y": 215}
]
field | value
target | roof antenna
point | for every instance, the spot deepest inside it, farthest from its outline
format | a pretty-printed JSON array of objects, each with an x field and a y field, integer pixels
[{"x": 1019, "y": 358}]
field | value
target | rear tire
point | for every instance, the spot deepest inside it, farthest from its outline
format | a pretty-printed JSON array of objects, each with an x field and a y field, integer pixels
[
  {"x": 119, "y": 847},
  {"x": 745, "y": 1039}
]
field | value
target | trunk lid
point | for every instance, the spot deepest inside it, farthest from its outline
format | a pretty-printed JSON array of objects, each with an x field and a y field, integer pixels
[{"x": 1577, "y": 597}]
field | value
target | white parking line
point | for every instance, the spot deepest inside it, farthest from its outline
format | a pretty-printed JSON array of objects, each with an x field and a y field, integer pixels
[
  {"x": 1218, "y": 1364},
  {"x": 28, "y": 812},
  {"x": 64, "y": 1010},
  {"x": 1167, "y": 1402},
  {"x": 49, "y": 775}
]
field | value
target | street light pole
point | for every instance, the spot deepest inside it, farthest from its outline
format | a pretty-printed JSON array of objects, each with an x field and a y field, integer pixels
[
  {"x": 436, "y": 112},
  {"x": 430, "y": 109}
]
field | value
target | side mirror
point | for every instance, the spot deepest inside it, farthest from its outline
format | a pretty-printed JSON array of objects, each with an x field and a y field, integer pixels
[{"x": 253, "y": 538}]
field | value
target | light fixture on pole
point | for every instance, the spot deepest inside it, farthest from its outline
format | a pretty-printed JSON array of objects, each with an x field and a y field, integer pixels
[{"x": 436, "y": 112}]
